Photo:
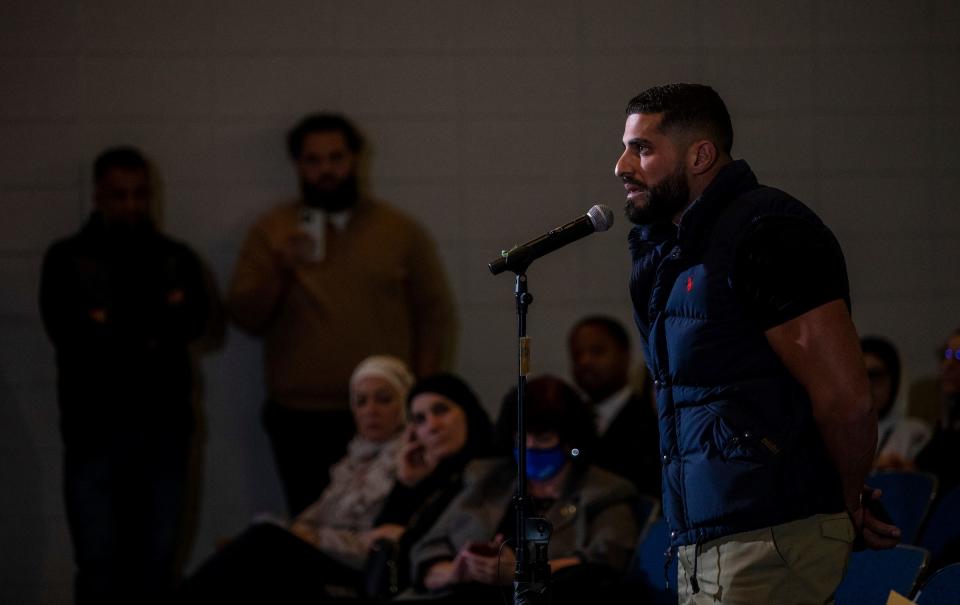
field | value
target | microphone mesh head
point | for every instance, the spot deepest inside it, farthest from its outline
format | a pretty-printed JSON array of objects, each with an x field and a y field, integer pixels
[{"x": 601, "y": 217}]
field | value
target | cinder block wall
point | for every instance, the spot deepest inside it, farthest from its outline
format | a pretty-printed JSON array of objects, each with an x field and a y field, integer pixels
[{"x": 491, "y": 122}]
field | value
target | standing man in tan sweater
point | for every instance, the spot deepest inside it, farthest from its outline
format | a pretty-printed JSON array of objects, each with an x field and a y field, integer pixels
[{"x": 327, "y": 280}]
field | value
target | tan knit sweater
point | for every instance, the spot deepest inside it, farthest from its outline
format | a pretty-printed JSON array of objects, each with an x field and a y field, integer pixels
[{"x": 380, "y": 289}]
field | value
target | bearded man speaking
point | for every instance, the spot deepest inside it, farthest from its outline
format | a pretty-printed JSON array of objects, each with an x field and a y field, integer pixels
[{"x": 767, "y": 428}]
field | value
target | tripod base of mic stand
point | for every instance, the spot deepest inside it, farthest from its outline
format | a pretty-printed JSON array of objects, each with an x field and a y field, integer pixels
[
  {"x": 532, "y": 584},
  {"x": 531, "y": 593}
]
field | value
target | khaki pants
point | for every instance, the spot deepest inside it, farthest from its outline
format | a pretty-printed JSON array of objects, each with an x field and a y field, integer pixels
[{"x": 800, "y": 562}]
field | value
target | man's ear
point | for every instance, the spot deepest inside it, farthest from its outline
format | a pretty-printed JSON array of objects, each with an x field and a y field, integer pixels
[{"x": 702, "y": 156}]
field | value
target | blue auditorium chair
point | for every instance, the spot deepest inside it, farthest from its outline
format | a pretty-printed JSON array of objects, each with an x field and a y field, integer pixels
[
  {"x": 942, "y": 588},
  {"x": 872, "y": 574},
  {"x": 906, "y": 496}
]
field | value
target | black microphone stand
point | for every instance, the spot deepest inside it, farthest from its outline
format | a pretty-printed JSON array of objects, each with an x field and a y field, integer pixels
[
  {"x": 531, "y": 579},
  {"x": 532, "y": 574}
]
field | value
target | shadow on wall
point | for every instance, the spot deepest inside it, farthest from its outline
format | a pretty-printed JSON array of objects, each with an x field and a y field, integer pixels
[
  {"x": 24, "y": 536},
  {"x": 211, "y": 343}
]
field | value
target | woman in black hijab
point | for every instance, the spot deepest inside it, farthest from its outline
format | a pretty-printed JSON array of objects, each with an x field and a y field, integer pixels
[{"x": 447, "y": 429}]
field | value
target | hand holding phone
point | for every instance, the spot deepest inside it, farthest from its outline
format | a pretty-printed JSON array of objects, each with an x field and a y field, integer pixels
[
  {"x": 313, "y": 224},
  {"x": 483, "y": 549},
  {"x": 412, "y": 463},
  {"x": 487, "y": 562}
]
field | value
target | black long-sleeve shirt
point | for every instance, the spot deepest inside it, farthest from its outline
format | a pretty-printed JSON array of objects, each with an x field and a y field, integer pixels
[{"x": 121, "y": 312}]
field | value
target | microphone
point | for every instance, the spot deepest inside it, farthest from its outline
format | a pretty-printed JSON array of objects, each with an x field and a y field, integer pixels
[{"x": 518, "y": 258}]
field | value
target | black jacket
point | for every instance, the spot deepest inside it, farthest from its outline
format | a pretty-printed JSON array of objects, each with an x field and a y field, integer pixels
[
  {"x": 121, "y": 312},
  {"x": 630, "y": 447}
]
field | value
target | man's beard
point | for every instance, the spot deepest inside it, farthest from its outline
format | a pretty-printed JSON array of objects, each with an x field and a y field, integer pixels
[
  {"x": 665, "y": 200},
  {"x": 342, "y": 196}
]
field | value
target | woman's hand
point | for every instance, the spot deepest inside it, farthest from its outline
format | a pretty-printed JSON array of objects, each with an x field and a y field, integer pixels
[
  {"x": 413, "y": 464},
  {"x": 306, "y": 531},
  {"x": 892, "y": 461},
  {"x": 387, "y": 531},
  {"x": 488, "y": 562},
  {"x": 444, "y": 574}
]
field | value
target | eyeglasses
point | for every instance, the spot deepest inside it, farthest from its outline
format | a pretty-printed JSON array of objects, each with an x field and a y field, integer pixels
[{"x": 949, "y": 354}]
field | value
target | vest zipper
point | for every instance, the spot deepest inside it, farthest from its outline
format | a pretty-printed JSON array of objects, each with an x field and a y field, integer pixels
[{"x": 668, "y": 559}]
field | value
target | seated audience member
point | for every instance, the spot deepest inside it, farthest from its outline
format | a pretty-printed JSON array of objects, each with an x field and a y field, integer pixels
[
  {"x": 323, "y": 551},
  {"x": 629, "y": 439},
  {"x": 899, "y": 437},
  {"x": 465, "y": 557},
  {"x": 941, "y": 455},
  {"x": 447, "y": 429}
]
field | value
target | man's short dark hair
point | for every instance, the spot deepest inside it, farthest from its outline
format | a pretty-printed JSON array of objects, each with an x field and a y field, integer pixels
[
  {"x": 613, "y": 327},
  {"x": 124, "y": 158},
  {"x": 691, "y": 107},
  {"x": 323, "y": 122}
]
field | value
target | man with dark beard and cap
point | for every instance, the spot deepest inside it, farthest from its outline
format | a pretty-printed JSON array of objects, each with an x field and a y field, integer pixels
[
  {"x": 327, "y": 280},
  {"x": 767, "y": 426}
]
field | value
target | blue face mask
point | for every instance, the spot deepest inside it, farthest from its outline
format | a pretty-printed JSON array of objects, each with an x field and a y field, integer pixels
[{"x": 543, "y": 464}]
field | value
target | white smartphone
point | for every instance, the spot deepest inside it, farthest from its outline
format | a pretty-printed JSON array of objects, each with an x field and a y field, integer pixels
[{"x": 313, "y": 223}]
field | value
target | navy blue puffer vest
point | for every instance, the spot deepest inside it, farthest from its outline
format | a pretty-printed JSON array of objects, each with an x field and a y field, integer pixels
[{"x": 738, "y": 442}]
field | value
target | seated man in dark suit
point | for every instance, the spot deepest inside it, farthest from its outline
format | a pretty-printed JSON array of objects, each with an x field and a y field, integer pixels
[{"x": 626, "y": 416}]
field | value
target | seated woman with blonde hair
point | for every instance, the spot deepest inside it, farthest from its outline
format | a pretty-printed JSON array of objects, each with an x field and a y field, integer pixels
[
  {"x": 323, "y": 551},
  {"x": 353, "y": 543}
]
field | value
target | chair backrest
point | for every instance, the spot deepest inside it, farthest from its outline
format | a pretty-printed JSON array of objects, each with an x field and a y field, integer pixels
[
  {"x": 943, "y": 526},
  {"x": 942, "y": 588},
  {"x": 646, "y": 573},
  {"x": 872, "y": 574},
  {"x": 906, "y": 496}
]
